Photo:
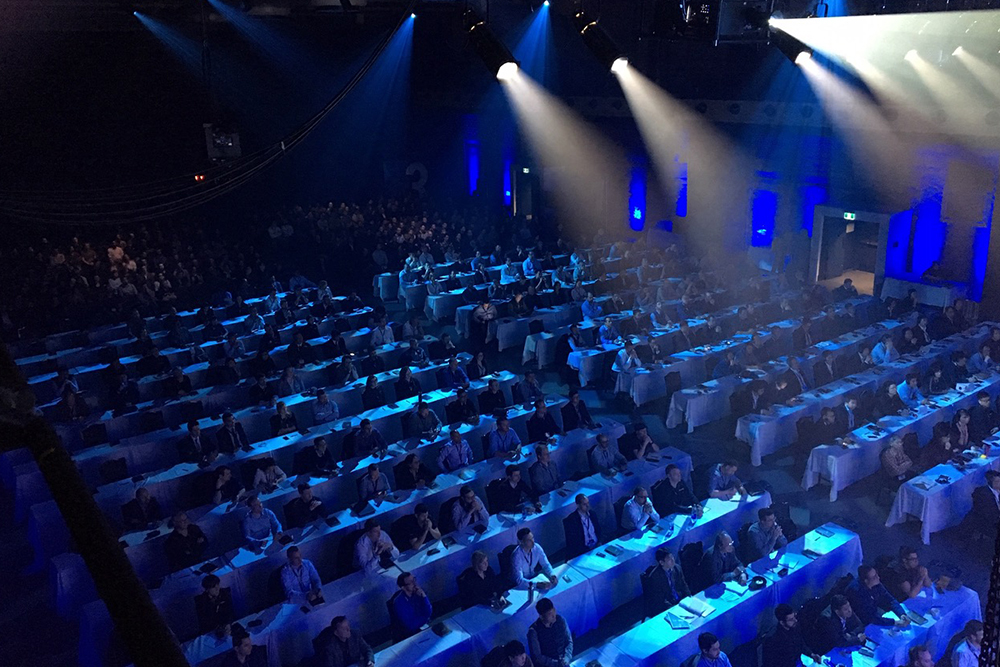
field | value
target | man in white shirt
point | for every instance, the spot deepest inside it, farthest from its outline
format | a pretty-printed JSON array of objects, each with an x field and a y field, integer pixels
[
  {"x": 299, "y": 577},
  {"x": 382, "y": 334},
  {"x": 528, "y": 559},
  {"x": 638, "y": 512},
  {"x": 967, "y": 653},
  {"x": 625, "y": 366},
  {"x": 372, "y": 547},
  {"x": 469, "y": 511}
]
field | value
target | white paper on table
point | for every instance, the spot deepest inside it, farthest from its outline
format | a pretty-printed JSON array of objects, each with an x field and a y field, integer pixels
[
  {"x": 735, "y": 588},
  {"x": 696, "y": 606}
]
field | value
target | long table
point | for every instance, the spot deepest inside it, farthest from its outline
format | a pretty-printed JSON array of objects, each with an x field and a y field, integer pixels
[
  {"x": 768, "y": 433},
  {"x": 709, "y": 401},
  {"x": 846, "y": 463},
  {"x": 940, "y": 504},
  {"x": 738, "y": 613}
]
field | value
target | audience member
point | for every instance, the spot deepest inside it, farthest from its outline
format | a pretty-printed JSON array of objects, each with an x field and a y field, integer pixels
[
  {"x": 339, "y": 646},
  {"x": 411, "y": 608},
  {"x": 605, "y": 458},
  {"x": 720, "y": 562},
  {"x": 968, "y": 652},
  {"x": 529, "y": 560},
  {"x": 259, "y": 524},
  {"x": 638, "y": 512},
  {"x": 838, "y": 627},
  {"x": 766, "y": 534},
  {"x": 541, "y": 426},
  {"x": 549, "y": 639},
  {"x": 723, "y": 482},
  {"x": 711, "y": 654},
  {"x": 544, "y": 474},
  {"x": 300, "y": 579},
  {"x": 374, "y": 549},
  {"x": 672, "y": 496},
  {"x": 469, "y": 513},
  {"x": 423, "y": 423},
  {"x": 186, "y": 543},
  {"x": 305, "y": 508},
  {"x": 479, "y": 584},
  {"x": 214, "y": 607},
  {"x": 244, "y": 653},
  {"x": 786, "y": 645},
  {"x": 142, "y": 512}
]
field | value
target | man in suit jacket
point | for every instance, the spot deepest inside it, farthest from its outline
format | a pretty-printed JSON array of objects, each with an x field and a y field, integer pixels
[
  {"x": 858, "y": 362},
  {"x": 826, "y": 371},
  {"x": 193, "y": 448},
  {"x": 846, "y": 415},
  {"x": 796, "y": 378},
  {"x": 304, "y": 509},
  {"x": 231, "y": 437},
  {"x": 214, "y": 607},
  {"x": 803, "y": 336},
  {"x": 583, "y": 531},
  {"x": 838, "y": 627},
  {"x": 986, "y": 504},
  {"x": 541, "y": 425},
  {"x": 575, "y": 413},
  {"x": 665, "y": 584},
  {"x": 753, "y": 401}
]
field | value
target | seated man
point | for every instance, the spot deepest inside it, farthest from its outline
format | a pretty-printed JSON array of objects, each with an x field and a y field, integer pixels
[
  {"x": 666, "y": 585},
  {"x": 847, "y": 416},
  {"x": 142, "y": 512},
  {"x": 374, "y": 549},
  {"x": 637, "y": 444},
  {"x": 462, "y": 410},
  {"x": 549, "y": 640},
  {"x": 411, "y": 608},
  {"x": 244, "y": 653},
  {"x": 575, "y": 413},
  {"x": 178, "y": 385},
  {"x": 503, "y": 440},
  {"x": 583, "y": 530},
  {"x": 479, "y": 584},
  {"x": 786, "y": 645},
  {"x": 671, "y": 495},
  {"x": 413, "y": 474},
  {"x": 907, "y": 576},
  {"x": 492, "y": 400},
  {"x": 541, "y": 425},
  {"x": 869, "y": 598},
  {"x": 283, "y": 421},
  {"x": 300, "y": 579},
  {"x": 753, "y": 401},
  {"x": 261, "y": 393},
  {"x": 422, "y": 423},
  {"x": 528, "y": 390},
  {"x": 324, "y": 410},
  {"x": 415, "y": 355},
  {"x": 268, "y": 477},
  {"x": 259, "y": 524},
  {"x": 289, "y": 383},
  {"x": 838, "y": 627},
  {"x": 710, "y": 652},
  {"x": 544, "y": 474},
  {"x": 469, "y": 512},
  {"x": 982, "y": 361},
  {"x": 214, "y": 607},
  {"x": 186, "y": 543},
  {"x": 417, "y": 529},
  {"x": 920, "y": 656},
  {"x": 374, "y": 485},
  {"x": 231, "y": 437},
  {"x": 318, "y": 459},
  {"x": 226, "y": 488},
  {"x": 528, "y": 560},
  {"x": 192, "y": 449},
  {"x": 765, "y": 534},
  {"x": 455, "y": 454},
  {"x": 825, "y": 371},
  {"x": 983, "y": 420},
  {"x": 514, "y": 494},
  {"x": 909, "y": 391},
  {"x": 723, "y": 482},
  {"x": 638, "y": 512},
  {"x": 826, "y": 430},
  {"x": 605, "y": 458},
  {"x": 720, "y": 562},
  {"x": 884, "y": 351},
  {"x": 365, "y": 441},
  {"x": 453, "y": 376},
  {"x": 339, "y": 646},
  {"x": 305, "y": 508}
]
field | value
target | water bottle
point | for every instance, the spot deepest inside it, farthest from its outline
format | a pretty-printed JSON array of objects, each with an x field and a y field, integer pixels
[{"x": 531, "y": 591}]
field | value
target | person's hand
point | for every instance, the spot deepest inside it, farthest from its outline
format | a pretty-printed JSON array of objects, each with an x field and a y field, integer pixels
[
  {"x": 647, "y": 508},
  {"x": 780, "y": 531},
  {"x": 543, "y": 585},
  {"x": 314, "y": 503},
  {"x": 863, "y": 638},
  {"x": 420, "y": 592},
  {"x": 903, "y": 622},
  {"x": 476, "y": 506}
]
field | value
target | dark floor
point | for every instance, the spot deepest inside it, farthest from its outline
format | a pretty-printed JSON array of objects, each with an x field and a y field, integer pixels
[{"x": 32, "y": 634}]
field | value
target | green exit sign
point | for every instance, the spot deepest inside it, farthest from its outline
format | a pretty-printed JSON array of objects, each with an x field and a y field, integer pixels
[{"x": 849, "y": 216}]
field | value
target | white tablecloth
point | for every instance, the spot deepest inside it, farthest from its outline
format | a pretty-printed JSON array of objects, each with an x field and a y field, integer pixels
[{"x": 943, "y": 504}]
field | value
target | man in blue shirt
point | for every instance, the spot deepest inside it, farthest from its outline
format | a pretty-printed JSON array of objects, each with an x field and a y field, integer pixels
[
  {"x": 590, "y": 308},
  {"x": 410, "y": 606},
  {"x": 884, "y": 352},
  {"x": 259, "y": 524},
  {"x": 503, "y": 440},
  {"x": 456, "y": 454},
  {"x": 869, "y": 598},
  {"x": 711, "y": 653},
  {"x": 724, "y": 483},
  {"x": 531, "y": 266},
  {"x": 982, "y": 361},
  {"x": 453, "y": 376},
  {"x": 909, "y": 391},
  {"x": 299, "y": 577}
]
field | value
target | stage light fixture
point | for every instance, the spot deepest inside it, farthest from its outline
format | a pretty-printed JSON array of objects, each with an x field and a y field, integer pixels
[
  {"x": 599, "y": 42},
  {"x": 956, "y": 51},
  {"x": 413, "y": 16},
  {"x": 792, "y": 48},
  {"x": 494, "y": 53},
  {"x": 911, "y": 55},
  {"x": 619, "y": 65}
]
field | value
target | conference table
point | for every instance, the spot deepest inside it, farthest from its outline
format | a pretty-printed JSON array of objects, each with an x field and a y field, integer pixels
[
  {"x": 945, "y": 615},
  {"x": 859, "y": 454},
  {"x": 815, "y": 562},
  {"x": 942, "y": 496},
  {"x": 939, "y": 296},
  {"x": 709, "y": 400},
  {"x": 552, "y": 317},
  {"x": 436, "y": 566},
  {"x": 768, "y": 433}
]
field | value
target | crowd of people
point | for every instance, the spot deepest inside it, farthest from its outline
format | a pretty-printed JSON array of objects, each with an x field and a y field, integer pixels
[{"x": 151, "y": 271}]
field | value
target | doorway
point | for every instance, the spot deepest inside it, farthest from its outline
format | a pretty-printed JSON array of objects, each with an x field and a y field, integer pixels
[{"x": 851, "y": 245}]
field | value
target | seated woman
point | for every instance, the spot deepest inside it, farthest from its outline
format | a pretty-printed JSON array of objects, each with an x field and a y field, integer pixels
[
  {"x": 407, "y": 385},
  {"x": 373, "y": 396},
  {"x": 895, "y": 462},
  {"x": 887, "y": 401}
]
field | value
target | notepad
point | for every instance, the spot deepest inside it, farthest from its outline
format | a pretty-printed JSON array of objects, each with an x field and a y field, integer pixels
[
  {"x": 676, "y": 622},
  {"x": 697, "y": 607}
]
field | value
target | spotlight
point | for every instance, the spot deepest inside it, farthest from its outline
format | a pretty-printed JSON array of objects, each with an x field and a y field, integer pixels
[
  {"x": 599, "y": 42},
  {"x": 957, "y": 51},
  {"x": 493, "y": 52},
  {"x": 413, "y": 16},
  {"x": 619, "y": 65},
  {"x": 911, "y": 55},
  {"x": 792, "y": 48},
  {"x": 507, "y": 71},
  {"x": 546, "y": 3}
]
